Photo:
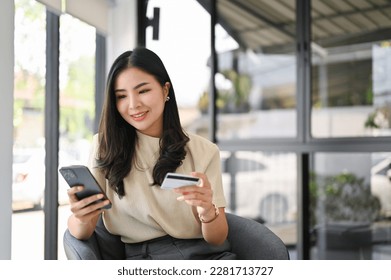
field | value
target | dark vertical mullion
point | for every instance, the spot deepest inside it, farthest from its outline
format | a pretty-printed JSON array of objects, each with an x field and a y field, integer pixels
[
  {"x": 141, "y": 22},
  {"x": 303, "y": 62},
  {"x": 213, "y": 90},
  {"x": 303, "y": 228},
  {"x": 100, "y": 77},
  {"x": 303, "y": 31},
  {"x": 51, "y": 135}
]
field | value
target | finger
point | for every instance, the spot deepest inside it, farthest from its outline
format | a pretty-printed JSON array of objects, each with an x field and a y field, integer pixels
[
  {"x": 200, "y": 175},
  {"x": 75, "y": 189},
  {"x": 93, "y": 199},
  {"x": 76, "y": 204},
  {"x": 199, "y": 204},
  {"x": 204, "y": 179},
  {"x": 85, "y": 209},
  {"x": 79, "y": 209},
  {"x": 187, "y": 189},
  {"x": 72, "y": 193},
  {"x": 202, "y": 197},
  {"x": 88, "y": 216}
]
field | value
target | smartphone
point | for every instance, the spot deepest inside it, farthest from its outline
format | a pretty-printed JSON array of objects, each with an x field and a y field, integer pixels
[
  {"x": 175, "y": 180},
  {"x": 80, "y": 175}
]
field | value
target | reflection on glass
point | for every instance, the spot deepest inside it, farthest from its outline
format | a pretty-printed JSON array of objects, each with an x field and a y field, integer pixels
[
  {"x": 263, "y": 187},
  {"x": 351, "y": 91},
  {"x": 350, "y": 208},
  {"x": 257, "y": 100},
  {"x": 256, "y": 82}
]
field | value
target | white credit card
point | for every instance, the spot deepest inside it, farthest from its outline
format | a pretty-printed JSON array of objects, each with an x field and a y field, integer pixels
[{"x": 175, "y": 180}]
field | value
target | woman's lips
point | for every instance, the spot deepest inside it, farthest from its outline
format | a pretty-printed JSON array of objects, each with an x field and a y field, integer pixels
[{"x": 139, "y": 116}]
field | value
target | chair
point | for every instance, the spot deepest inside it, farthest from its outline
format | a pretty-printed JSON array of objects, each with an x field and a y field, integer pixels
[{"x": 249, "y": 240}]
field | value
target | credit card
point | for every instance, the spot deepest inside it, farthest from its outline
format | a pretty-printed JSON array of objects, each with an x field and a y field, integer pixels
[{"x": 175, "y": 180}]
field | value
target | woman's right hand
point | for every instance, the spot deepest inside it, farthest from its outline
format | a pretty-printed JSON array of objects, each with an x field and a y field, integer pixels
[{"x": 85, "y": 212}]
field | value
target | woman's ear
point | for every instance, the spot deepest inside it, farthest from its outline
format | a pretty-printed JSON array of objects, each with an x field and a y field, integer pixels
[
  {"x": 167, "y": 85},
  {"x": 166, "y": 88}
]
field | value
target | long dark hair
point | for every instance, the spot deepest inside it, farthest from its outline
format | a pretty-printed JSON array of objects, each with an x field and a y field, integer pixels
[{"x": 118, "y": 139}]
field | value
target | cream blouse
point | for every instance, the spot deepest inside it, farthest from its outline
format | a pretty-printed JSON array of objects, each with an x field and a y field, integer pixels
[{"x": 147, "y": 212}]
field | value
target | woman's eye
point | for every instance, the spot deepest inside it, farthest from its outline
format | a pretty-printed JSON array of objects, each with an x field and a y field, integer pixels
[
  {"x": 120, "y": 97},
  {"x": 143, "y": 91}
]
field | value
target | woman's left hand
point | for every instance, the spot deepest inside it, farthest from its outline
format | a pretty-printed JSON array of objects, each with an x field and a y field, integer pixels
[
  {"x": 215, "y": 229},
  {"x": 199, "y": 196}
]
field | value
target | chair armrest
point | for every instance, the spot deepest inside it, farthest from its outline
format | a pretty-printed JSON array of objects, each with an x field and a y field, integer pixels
[
  {"x": 76, "y": 249},
  {"x": 251, "y": 240},
  {"x": 102, "y": 245}
]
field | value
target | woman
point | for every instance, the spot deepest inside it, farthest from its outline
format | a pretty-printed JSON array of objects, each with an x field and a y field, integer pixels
[{"x": 140, "y": 140}]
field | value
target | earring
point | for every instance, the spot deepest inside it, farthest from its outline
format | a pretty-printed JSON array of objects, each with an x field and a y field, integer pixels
[{"x": 167, "y": 98}]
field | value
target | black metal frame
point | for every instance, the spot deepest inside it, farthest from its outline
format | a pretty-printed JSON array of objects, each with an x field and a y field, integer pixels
[
  {"x": 51, "y": 134},
  {"x": 100, "y": 77},
  {"x": 213, "y": 90},
  {"x": 303, "y": 89}
]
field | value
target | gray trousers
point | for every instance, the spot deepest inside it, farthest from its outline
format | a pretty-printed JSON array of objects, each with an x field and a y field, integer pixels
[{"x": 170, "y": 248}]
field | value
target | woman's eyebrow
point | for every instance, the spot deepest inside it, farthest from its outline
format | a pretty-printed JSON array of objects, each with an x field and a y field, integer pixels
[
  {"x": 136, "y": 87},
  {"x": 118, "y": 90},
  {"x": 140, "y": 85}
]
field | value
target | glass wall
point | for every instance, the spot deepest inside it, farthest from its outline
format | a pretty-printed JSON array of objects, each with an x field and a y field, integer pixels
[
  {"x": 351, "y": 206},
  {"x": 351, "y": 89},
  {"x": 258, "y": 111},
  {"x": 256, "y": 80},
  {"x": 256, "y": 85},
  {"x": 351, "y": 98},
  {"x": 263, "y": 187}
]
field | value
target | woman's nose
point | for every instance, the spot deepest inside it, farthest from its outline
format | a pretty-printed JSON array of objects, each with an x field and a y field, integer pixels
[{"x": 134, "y": 102}]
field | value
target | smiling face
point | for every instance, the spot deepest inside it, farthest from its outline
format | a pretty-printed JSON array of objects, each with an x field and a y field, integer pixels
[{"x": 140, "y": 100}]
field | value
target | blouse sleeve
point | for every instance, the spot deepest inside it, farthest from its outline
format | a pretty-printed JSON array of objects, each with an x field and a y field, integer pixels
[
  {"x": 206, "y": 159},
  {"x": 213, "y": 171}
]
